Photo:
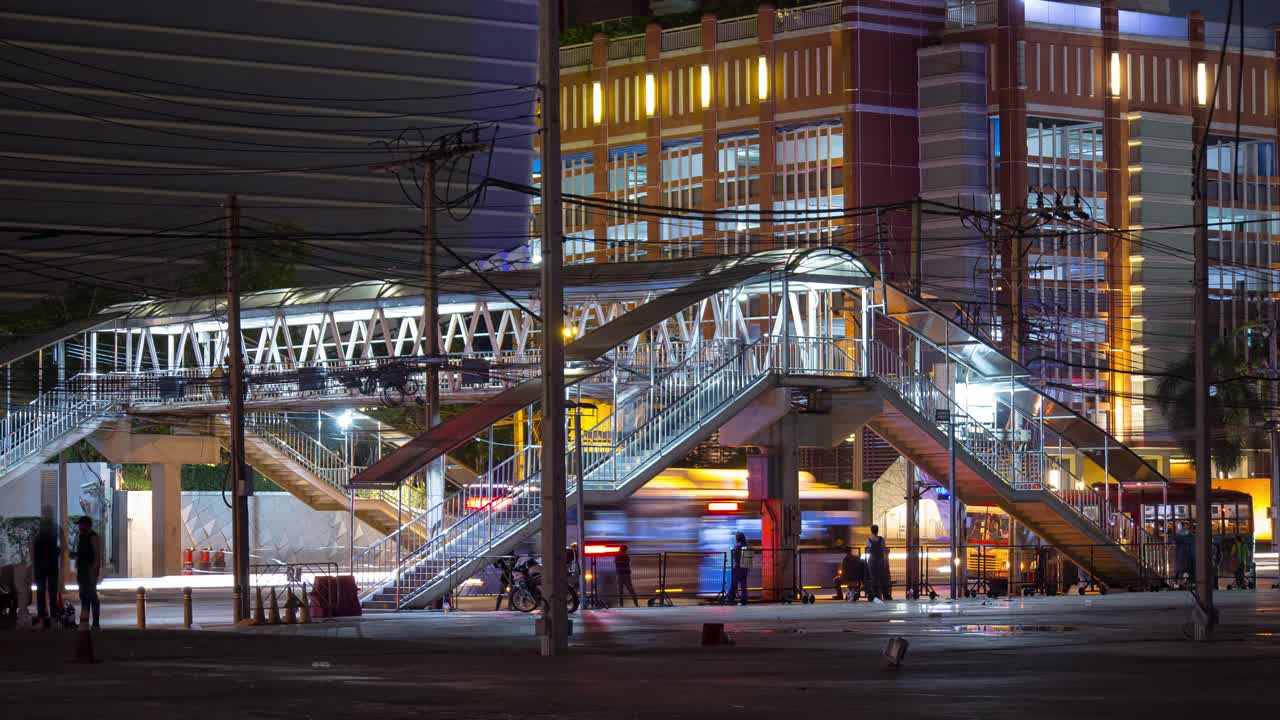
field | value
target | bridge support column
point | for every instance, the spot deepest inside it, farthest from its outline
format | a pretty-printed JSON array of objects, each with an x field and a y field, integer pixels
[
  {"x": 166, "y": 519},
  {"x": 774, "y": 479}
]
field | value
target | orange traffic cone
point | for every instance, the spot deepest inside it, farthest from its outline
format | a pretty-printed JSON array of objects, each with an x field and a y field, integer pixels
[
  {"x": 305, "y": 607},
  {"x": 274, "y": 617},
  {"x": 259, "y": 615},
  {"x": 291, "y": 608}
]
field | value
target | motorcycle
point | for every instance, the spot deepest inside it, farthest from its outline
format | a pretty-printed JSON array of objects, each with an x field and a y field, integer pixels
[{"x": 526, "y": 587}]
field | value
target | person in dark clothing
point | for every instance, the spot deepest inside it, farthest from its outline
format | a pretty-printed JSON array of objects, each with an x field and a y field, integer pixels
[
  {"x": 743, "y": 557},
  {"x": 878, "y": 583},
  {"x": 88, "y": 557},
  {"x": 45, "y": 559},
  {"x": 851, "y": 576},
  {"x": 622, "y": 568},
  {"x": 1184, "y": 554}
]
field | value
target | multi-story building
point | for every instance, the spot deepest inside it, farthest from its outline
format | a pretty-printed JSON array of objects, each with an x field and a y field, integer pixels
[
  {"x": 122, "y": 119},
  {"x": 810, "y": 109},
  {"x": 995, "y": 105},
  {"x": 1112, "y": 106}
]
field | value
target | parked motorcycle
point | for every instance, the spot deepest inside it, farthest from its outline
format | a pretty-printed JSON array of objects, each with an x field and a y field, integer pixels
[{"x": 526, "y": 587}]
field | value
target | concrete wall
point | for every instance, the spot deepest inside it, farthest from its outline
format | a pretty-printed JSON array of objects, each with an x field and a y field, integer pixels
[{"x": 281, "y": 528}]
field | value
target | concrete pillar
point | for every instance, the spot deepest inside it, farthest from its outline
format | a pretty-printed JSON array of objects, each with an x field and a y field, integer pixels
[
  {"x": 773, "y": 478},
  {"x": 166, "y": 519}
]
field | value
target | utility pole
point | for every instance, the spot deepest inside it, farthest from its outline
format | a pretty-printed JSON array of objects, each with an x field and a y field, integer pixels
[
  {"x": 1016, "y": 270},
  {"x": 446, "y": 148},
  {"x": 1273, "y": 432},
  {"x": 241, "y": 481},
  {"x": 913, "y": 487},
  {"x": 555, "y": 622},
  {"x": 1204, "y": 617},
  {"x": 916, "y": 262},
  {"x": 433, "y": 474}
]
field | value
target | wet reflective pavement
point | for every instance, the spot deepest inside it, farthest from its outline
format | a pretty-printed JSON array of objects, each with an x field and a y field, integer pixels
[{"x": 1120, "y": 655}]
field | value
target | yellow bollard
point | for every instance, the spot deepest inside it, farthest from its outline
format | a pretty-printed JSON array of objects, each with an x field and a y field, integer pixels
[
  {"x": 259, "y": 614},
  {"x": 274, "y": 617},
  {"x": 142, "y": 608},
  {"x": 186, "y": 608},
  {"x": 306, "y": 607}
]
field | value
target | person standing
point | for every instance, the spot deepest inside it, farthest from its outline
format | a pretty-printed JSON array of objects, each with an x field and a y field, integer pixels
[
  {"x": 622, "y": 568},
  {"x": 878, "y": 584},
  {"x": 88, "y": 557},
  {"x": 45, "y": 555},
  {"x": 743, "y": 558}
]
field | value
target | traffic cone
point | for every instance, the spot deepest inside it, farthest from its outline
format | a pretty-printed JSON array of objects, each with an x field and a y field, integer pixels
[
  {"x": 274, "y": 616},
  {"x": 291, "y": 608},
  {"x": 259, "y": 614},
  {"x": 306, "y": 608}
]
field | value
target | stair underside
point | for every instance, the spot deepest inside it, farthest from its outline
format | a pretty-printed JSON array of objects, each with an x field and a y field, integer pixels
[{"x": 1040, "y": 511}]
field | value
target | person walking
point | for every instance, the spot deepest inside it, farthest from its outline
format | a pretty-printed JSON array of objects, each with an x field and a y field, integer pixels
[
  {"x": 878, "y": 583},
  {"x": 743, "y": 558},
  {"x": 45, "y": 557},
  {"x": 88, "y": 557},
  {"x": 622, "y": 568}
]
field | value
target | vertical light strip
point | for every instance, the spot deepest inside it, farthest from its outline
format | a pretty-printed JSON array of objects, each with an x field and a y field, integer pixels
[
  {"x": 1115, "y": 74},
  {"x": 650, "y": 94},
  {"x": 706, "y": 86},
  {"x": 1202, "y": 84},
  {"x": 597, "y": 103},
  {"x": 762, "y": 78}
]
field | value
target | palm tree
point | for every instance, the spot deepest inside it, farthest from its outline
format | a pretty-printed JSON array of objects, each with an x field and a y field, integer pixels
[{"x": 1235, "y": 403}]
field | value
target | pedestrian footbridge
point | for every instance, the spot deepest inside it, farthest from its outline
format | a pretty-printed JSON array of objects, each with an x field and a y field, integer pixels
[{"x": 667, "y": 353}]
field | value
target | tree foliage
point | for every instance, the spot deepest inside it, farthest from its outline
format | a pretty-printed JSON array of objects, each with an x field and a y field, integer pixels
[
  {"x": 268, "y": 259},
  {"x": 1235, "y": 404}
]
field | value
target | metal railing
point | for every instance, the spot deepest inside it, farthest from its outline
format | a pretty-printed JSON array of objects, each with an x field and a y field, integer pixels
[
  {"x": 1025, "y": 470},
  {"x": 626, "y": 47},
  {"x": 681, "y": 38},
  {"x": 807, "y": 17},
  {"x": 433, "y": 549},
  {"x": 46, "y": 419},
  {"x": 314, "y": 457},
  {"x": 968, "y": 13},
  {"x": 574, "y": 55},
  {"x": 736, "y": 29}
]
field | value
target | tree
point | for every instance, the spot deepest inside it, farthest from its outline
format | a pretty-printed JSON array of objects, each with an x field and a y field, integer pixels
[
  {"x": 1235, "y": 403},
  {"x": 268, "y": 259}
]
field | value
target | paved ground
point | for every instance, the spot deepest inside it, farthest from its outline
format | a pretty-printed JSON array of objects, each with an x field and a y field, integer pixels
[{"x": 1120, "y": 655}]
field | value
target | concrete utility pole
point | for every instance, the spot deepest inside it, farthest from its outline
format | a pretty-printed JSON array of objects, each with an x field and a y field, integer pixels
[
  {"x": 442, "y": 150},
  {"x": 433, "y": 474},
  {"x": 1205, "y": 617},
  {"x": 555, "y": 622},
  {"x": 241, "y": 480},
  {"x": 916, "y": 262}
]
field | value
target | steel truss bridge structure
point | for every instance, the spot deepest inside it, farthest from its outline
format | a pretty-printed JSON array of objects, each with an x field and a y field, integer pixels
[{"x": 670, "y": 352}]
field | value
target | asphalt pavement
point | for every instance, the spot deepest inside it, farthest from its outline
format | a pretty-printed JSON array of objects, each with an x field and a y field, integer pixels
[{"x": 1119, "y": 655}]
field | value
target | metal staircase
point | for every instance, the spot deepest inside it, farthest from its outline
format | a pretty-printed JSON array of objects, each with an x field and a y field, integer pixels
[
  {"x": 56, "y": 419},
  {"x": 1017, "y": 475},
  {"x": 663, "y": 422},
  {"x": 311, "y": 472}
]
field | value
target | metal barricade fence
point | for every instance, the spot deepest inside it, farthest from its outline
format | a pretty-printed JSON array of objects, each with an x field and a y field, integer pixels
[{"x": 301, "y": 576}]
